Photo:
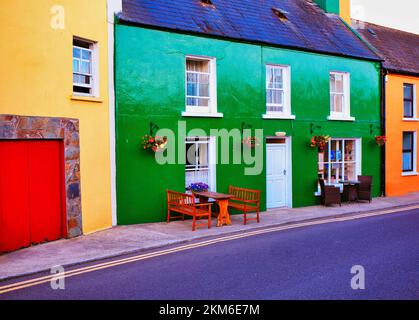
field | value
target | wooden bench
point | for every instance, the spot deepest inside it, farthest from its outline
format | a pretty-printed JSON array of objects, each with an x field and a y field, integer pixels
[
  {"x": 184, "y": 204},
  {"x": 246, "y": 201}
]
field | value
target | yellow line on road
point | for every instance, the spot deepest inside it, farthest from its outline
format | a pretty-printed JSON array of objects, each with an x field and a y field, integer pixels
[{"x": 105, "y": 265}]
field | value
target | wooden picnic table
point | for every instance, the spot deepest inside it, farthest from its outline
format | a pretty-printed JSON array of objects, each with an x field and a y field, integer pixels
[{"x": 222, "y": 201}]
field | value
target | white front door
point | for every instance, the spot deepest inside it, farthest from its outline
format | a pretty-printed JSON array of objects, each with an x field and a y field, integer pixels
[{"x": 276, "y": 175}]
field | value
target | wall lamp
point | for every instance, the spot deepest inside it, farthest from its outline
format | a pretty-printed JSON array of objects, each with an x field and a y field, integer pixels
[
  {"x": 246, "y": 126},
  {"x": 314, "y": 127},
  {"x": 153, "y": 127},
  {"x": 372, "y": 127}
]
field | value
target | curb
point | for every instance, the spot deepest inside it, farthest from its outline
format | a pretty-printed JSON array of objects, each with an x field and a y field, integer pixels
[{"x": 203, "y": 238}]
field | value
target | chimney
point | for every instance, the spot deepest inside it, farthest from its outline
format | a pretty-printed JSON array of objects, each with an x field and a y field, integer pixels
[{"x": 340, "y": 7}]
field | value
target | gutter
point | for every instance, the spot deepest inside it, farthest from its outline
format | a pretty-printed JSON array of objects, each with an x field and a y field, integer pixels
[{"x": 383, "y": 129}]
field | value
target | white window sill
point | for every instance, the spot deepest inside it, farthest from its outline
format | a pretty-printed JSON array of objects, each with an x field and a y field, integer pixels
[
  {"x": 86, "y": 98},
  {"x": 202, "y": 115},
  {"x": 407, "y": 174},
  {"x": 411, "y": 119},
  {"x": 278, "y": 116},
  {"x": 334, "y": 118}
]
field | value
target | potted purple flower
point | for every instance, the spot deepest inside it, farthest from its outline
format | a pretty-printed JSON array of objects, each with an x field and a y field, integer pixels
[{"x": 197, "y": 187}]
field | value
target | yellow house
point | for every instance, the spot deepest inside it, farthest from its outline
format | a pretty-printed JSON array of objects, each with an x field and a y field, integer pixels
[{"x": 56, "y": 86}]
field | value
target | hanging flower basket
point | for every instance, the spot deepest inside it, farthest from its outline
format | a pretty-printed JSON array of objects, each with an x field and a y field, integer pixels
[
  {"x": 319, "y": 142},
  {"x": 155, "y": 144},
  {"x": 380, "y": 140},
  {"x": 251, "y": 142}
]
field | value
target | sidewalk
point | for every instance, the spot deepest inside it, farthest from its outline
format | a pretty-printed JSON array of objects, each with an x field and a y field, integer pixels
[{"x": 127, "y": 239}]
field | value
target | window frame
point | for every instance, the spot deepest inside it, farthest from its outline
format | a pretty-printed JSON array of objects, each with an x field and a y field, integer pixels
[
  {"x": 94, "y": 72},
  {"x": 212, "y": 156},
  {"x": 286, "y": 88},
  {"x": 412, "y": 151},
  {"x": 412, "y": 100},
  {"x": 357, "y": 161},
  {"x": 346, "y": 104},
  {"x": 212, "y": 103}
]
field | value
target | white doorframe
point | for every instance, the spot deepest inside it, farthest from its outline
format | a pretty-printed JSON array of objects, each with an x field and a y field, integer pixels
[{"x": 288, "y": 148}]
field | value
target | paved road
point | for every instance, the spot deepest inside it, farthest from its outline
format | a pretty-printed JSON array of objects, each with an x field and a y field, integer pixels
[{"x": 308, "y": 263}]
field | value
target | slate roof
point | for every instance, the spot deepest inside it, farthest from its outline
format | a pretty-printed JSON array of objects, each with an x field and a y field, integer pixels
[
  {"x": 306, "y": 26},
  {"x": 399, "y": 49}
]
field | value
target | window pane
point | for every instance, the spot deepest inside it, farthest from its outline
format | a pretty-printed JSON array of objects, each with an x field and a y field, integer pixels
[
  {"x": 86, "y": 55},
  {"x": 277, "y": 97},
  {"x": 197, "y": 65},
  {"x": 202, "y": 102},
  {"x": 197, "y": 159},
  {"x": 407, "y": 161},
  {"x": 350, "y": 150},
  {"x": 76, "y": 65},
  {"x": 332, "y": 83},
  {"x": 407, "y": 140},
  {"x": 204, "y": 90},
  {"x": 336, "y": 151},
  {"x": 339, "y": 83},
  {"x": 269, "y": 96},
  {"x": 408, "y": 91},
  {"x": 76, "y": 53},
  {"x": 336, "y": 102},
  {"x": 350, "y": 171},
  {"x": 408, "y": 109},
  {"x": 85, "y": 67}
]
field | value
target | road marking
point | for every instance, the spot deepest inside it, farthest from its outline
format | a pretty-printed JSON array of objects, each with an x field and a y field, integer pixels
[{"x": 105, "y": 265}]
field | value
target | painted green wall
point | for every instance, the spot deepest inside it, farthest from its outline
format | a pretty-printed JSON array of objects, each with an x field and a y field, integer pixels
[{"x": 150, "y": 84}]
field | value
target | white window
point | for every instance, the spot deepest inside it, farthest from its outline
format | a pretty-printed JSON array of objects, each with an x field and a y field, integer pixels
[
  {"x": 340, "y": 108},
  {"x": 200, "y": 161},
  {"x": 340, "y": 160},
  {"x": 201, "y": 87},
  {"x": 278, "y": 92},
  {"x": 85, "y": 79}
]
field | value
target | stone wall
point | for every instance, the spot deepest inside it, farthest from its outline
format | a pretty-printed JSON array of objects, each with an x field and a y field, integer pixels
[{"x": 67, "y": 130}]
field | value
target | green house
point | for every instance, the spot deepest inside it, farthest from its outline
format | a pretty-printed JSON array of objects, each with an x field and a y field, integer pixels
[{"x": 240, "y": 88}]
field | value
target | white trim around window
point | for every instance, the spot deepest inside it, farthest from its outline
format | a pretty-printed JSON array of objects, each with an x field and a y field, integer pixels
[
  {"x": 200, "y": 87},
  {"x": 412, "y": 99},
  {"x": 340, "y": 96},
  {"x": 278, "y": 92},
  {"x": 413, "y": 152},
  {"x": 85, "y": 68}
]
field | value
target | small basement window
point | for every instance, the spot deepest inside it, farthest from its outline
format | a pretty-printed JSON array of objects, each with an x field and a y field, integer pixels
[{"x": 85, "y": 80}]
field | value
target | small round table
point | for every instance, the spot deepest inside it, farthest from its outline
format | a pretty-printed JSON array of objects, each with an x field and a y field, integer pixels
[{"x": 350, "y": 190}]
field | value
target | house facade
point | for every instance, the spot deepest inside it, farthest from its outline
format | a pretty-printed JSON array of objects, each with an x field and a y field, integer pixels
[
  {"x": 228, "y": 70},
  {"x": 401, "y": 77},
  {"x": 55, "y": 153}
]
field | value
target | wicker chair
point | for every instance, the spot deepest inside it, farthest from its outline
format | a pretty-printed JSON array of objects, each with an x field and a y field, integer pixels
[
  {"x": 330, "y": 194},
  {"x": 364, "y": 188}
]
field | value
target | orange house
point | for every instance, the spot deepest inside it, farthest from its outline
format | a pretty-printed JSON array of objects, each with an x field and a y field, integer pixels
[{"x": 400, "y": 52}]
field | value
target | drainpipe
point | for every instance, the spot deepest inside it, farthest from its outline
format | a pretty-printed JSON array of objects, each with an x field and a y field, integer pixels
[
  {"x": 383, "y": 130},
  {"x": 113, "y": 7}
]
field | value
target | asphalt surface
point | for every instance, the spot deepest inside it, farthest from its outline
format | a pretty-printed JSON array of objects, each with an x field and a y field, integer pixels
[{"x": 307, "y": 263}]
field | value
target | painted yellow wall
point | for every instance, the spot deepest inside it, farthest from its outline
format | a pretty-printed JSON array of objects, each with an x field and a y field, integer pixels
[
  {"x": 36, "y": 80},
  {"x": 396, "y": 184},
  {"x": 345, "y": 10}
]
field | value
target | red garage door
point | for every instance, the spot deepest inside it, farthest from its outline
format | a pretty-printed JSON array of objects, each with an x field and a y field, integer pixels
[{"x": 31, "y": 208}]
